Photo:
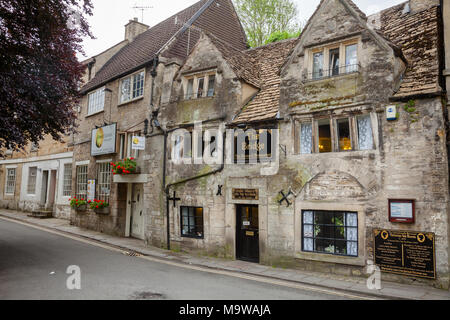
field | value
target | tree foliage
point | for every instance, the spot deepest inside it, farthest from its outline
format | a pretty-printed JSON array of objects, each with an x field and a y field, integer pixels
[
  {"x": 282, "y": 35},
  {"x": 261, "y": 18},
  {"x": 39, "y": 70}
]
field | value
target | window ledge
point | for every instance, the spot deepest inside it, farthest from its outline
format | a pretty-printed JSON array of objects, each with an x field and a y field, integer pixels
[
  {"x": 331, "y": 78},
  {"x": 350, "y": 152},
  {"x": 94, "y": 114},
  {"x": 130, "y": 101},
  {"x": 330, "y": 258},
  {"x": 202, "y": 98}
]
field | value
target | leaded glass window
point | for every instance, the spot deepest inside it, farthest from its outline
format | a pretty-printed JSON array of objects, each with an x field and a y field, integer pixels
[
  {"x": 331, "y": 232},
  {"x": 365, "y": 136},
  {"x": 192, "y": 222},
  {"x": 306, "y": 138}
]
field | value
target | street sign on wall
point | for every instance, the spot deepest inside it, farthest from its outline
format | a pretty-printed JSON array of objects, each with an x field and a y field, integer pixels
[{"x": 103, "y": 140}]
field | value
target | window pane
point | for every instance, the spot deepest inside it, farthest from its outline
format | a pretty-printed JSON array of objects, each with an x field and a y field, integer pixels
[
  {"x": 138, "y": 85},
  {"x": 324, "y": 136},
  {"x": 345, "y": 143},
  {"x": 365, "y": 137},
  {"x": 31, "y": 187},
  {"x": 351, "y": 58},
  {"x": 96, "y": 101},
  {"x": 125, "y": 90},
  {"x": 190, "y": 89},
  {"x": 328, "y": 232},
  {"x": 201, "y": 84},
  {"x": 308, "y": 217},
  {"x": 192, "y": 222},
  {"x": 11, "y": 181},
  {"x": 306, "y": 138},
  {"x": 67, "y": 186},
  {"x": 334, "y": 62},
  {"x": 308, "y": 244},
  {"x": 211, "y": 84},
  {"x": 104, "y": 181},
  {"x": 82, "y": 181},
  {"x": 318, "y": 65}
]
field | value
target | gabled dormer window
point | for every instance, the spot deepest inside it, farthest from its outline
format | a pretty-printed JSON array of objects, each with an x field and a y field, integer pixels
[
  {"x": 333, "y": 60},
  {"x": 96, "y": 101},
  {"x": 132, "y": 87},
  {"x": 199, "y": 86}
]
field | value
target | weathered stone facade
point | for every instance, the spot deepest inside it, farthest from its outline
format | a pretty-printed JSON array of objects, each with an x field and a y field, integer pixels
[{"x": 277, "y": 87}]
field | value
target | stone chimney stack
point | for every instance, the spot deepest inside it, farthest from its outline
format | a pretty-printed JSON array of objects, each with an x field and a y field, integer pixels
[{"x": 134, "y": 28}]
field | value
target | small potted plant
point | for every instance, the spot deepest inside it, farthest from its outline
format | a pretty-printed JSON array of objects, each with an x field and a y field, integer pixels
[
  {"x": 127, "y": 166},
  {"x": 79, "y": 205},
  {"x": 99, "y": 206}
]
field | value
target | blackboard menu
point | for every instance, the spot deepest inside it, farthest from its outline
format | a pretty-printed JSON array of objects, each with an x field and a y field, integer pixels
[{"x": 405, "y": 252}]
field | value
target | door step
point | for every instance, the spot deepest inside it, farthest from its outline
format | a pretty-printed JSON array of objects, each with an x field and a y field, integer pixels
[{"x": 41, "y": 214}]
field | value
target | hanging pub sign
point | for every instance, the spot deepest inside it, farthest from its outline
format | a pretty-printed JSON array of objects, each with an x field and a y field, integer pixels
[
  {"x": 104, "y": 140},
  {"x": 401, "y": 211},
  {"x": 407, "y": 253},
  {"x": 138, "y": 143}
]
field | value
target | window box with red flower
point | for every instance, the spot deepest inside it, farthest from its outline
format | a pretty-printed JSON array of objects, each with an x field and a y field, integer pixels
[
  {"x": 125, "y": 167},
  {"x": 99, "y": 206},
  {"x": 80, "y": 205}
]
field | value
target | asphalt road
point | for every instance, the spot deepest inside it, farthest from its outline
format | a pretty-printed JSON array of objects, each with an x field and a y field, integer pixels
[{"x": 33, "y": 265}]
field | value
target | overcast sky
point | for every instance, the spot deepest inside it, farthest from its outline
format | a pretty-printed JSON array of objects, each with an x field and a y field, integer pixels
[{"x": 110, "y": 16}]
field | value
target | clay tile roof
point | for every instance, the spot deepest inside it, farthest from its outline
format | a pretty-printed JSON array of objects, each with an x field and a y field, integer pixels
[
  {"x": 143, "y": 49},
  {"x": 265, "y": 105},
  {"x": 417, "y": 35},
  {"x": 243, "y": 64}
]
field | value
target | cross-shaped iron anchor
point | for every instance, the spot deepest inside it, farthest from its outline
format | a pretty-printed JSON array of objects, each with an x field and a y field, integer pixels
[{"x": 174, "y": 199}]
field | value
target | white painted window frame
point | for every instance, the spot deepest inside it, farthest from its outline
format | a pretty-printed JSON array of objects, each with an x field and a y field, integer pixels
[
  {"x": 325, "y": 49},
  {"x": 32, "y": 192},
  {"x": 99, "y": 104},
  {"x": 196, "y": 78},
  {"x": 131, "y": 77},
  {"x": 7, "y": 180}
]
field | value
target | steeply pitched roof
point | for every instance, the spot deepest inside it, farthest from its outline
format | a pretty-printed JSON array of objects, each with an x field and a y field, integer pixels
[
  {"x": 215, "y": 16},
  {"x": 269, "y": 59},
  {"x": 243, "y": 64},
  {"x": 417, "y": 35}
]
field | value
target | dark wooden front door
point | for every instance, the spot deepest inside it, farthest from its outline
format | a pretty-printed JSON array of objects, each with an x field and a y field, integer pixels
[{"x": 247, "y": 233}]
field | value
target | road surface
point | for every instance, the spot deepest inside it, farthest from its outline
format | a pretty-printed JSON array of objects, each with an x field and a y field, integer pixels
[{"x": 34, "y": 262}]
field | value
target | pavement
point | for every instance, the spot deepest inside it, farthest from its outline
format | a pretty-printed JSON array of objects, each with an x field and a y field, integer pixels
[{"x": 306, "y": 279}]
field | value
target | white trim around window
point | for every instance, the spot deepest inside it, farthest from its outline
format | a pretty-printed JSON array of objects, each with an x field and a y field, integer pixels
[
  {"x": 132, "y": 87},
  {"x": 96, "y": 101},
  {"x": 201, "y": 85},
  {"x": 10, "y": 180}
]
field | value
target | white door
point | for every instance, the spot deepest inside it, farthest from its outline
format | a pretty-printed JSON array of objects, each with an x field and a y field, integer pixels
[{"x": 137, "y": 211}]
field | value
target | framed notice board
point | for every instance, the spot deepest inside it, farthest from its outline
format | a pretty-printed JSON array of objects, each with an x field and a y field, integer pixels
[{"x": 402, "y": 210}]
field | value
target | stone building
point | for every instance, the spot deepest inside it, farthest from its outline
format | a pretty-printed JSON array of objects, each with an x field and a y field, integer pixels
[
  {"x": 119, "y": 100},
  {"x": 344, "y": 160},
  {"x": 331, "y": 141},
  {"x": 38, "y": 178}
]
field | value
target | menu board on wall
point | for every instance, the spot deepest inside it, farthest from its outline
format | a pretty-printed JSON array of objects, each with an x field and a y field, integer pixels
[{"x": 408, "y": 253}]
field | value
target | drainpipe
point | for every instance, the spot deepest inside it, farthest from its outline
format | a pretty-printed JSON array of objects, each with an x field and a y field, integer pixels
[{"x": 167, "y": 188}]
